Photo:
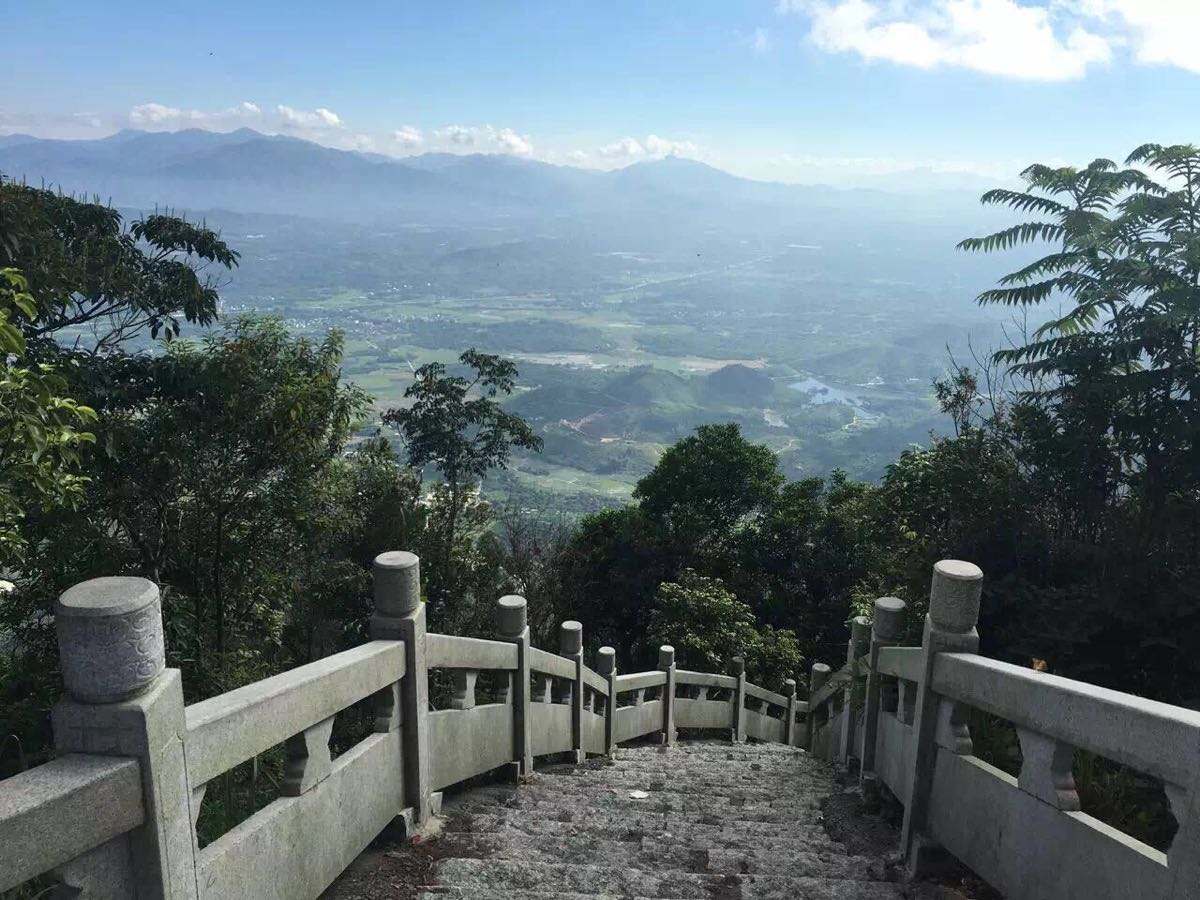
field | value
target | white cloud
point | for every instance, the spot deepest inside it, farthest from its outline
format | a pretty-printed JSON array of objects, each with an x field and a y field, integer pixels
[
  {"x": 408, "y": 137},
  {"x": 1158, "y": 32},
  {"x": 625, "y": 148},
  {"x": 159, "y": 115},
  {"x": 514, "y": 143},
  {"x": 484, "y": 139},
  {"x": 760, "y": 41},
  {"x": 1009, "y": 38},
  {"x": 657, "y": 146},
  {"x": 318, "y": 118}
]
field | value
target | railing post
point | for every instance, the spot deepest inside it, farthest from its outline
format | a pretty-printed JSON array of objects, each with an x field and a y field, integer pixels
[
  {"x": 513, "y": 627},
  {"x": 949, "y": 628},
  {"x": 570, "y": 645},
  {"x": 606, "y": 665},
  {"x": 123, "y": 701},
  {"x": 816, "y": 680},
  {"x": 400, "y": 616},
  {"x": 858, "y": 646},
  {"x": 789, "y": 728},
  {"x": 885, "y": 632},
  {"x": 1183, "y": 857},
  {"x": 666, "y": 663},
  {"x": 739, "y": 701}
]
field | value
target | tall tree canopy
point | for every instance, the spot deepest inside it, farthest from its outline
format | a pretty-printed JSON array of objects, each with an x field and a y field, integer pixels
[{"x": 97, "y": 281}]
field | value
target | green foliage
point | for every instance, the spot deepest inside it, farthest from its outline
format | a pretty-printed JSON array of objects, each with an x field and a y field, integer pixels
[
  {"x": 463, "y": 436},
  {"x": 708, "y": 626},
  {"x": 87, "y": 270},
  {"x": 458, "y": 425},
  {"x": 40, "y": 428},
  {"x": 708, "y": 483}
]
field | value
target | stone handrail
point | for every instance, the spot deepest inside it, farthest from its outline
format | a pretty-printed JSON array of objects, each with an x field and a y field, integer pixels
[
  {"x": 233, "y": 727},
  {"x": 34, "y": 806},
  {"x": 116, "y": 816},
  {"x": 1027, "y": 835}
]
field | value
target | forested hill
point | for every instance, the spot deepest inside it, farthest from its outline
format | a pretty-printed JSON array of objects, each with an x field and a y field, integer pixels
[{"x": 246, "y": 171}]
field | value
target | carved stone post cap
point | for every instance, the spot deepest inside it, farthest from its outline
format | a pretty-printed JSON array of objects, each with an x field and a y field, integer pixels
[
  {"x": 954, "y": 595},
  {"x": 510, "y": 614},
  {"x": 397, "y": 583},
  {"x": 737, "y": 665},
  {"x": 570, "y": 637},
  {"x": 110, "y": 638},
  {"x": 889, "y": 618},
  {"x": 666, "y": 656},
  {"x": 606, "y": 661},
  {"x": 789, "y": 687},
  {"x": 818, "y": 677}
]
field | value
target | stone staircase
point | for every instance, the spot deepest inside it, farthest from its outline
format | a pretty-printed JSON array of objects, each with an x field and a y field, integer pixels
[{"x": 697, "y": 820}]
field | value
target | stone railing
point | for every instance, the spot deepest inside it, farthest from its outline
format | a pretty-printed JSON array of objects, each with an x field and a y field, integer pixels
[
  {"x": 902, "y": 723},
  {"x": 114, "y": 816}
]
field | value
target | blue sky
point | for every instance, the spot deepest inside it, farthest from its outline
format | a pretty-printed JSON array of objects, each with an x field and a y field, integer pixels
[{"x": 796, "y": 90}]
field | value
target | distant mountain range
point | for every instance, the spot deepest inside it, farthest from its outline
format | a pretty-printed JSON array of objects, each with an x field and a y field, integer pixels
[{"x": 246, "y": 171}]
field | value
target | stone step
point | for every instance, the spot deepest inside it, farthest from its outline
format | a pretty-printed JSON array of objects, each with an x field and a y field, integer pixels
[
  {"x": 714, "y": 792},
  {"x": 500, "y": 877},
  {"x": 672, "y": 806},
  {"x": 803, "y": 837},
  {"x": 654, "y": 854}
]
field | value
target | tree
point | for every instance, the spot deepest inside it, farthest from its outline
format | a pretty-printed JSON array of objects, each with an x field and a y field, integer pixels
[
  {"x": 708, "y": 626},
  {"x": 41, "y": 429},
  {"x": 457, "y": 425},
  {"x": 707, "y": 484},
  {"x": 96, "y": 282}
]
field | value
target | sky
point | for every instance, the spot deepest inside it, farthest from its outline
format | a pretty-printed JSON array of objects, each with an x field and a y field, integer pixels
[{"x": 834, "y": 91}]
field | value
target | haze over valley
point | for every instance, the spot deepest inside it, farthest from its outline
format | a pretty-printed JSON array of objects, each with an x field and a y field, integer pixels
[{"x": 638, "y": 303}]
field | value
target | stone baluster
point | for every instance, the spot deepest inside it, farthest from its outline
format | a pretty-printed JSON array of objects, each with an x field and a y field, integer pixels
[
  {"x": 543, "y": 686},
  {"x": 789, "y": 723},
  {"x": 1046, "y": 770},
  {"x": 954, "y": 597},
  {"x": 513, "y": 627},
  {"x": 857, "y": 647},
  {"x": 123, "y": 701},
  {"x": 308, "y": 759},
  {"x": 701, "y": 692},
  {"x": 570, "y": 645},
  {"x": 739, "y": 701},
  {"x": 400, "y": 616},
  {"x": 606, "y": 665},
  {"x": 666, "y": 663},
  {"x": 885, "y": 632},
  {"x": 464, "y": 689},
  {"x": 817, "y": 678}
]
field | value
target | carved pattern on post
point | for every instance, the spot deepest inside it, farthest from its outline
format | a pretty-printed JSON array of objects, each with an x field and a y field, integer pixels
[
  {"x": 464, "y": 689},
  {"x": 308, "y": 759},
  {"x": 123, "y": 702},
  {"x": 1046, "y": 770}
]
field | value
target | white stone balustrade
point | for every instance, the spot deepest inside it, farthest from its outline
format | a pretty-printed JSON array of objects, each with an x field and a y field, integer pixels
[{"x": 131, "y": 747}]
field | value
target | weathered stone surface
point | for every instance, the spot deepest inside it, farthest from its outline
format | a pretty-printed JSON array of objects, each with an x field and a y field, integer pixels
[
  {"x": 697, "y": 820},
  {"x": 110, "y": 638},
  {"x": 954, "y": 595}
]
